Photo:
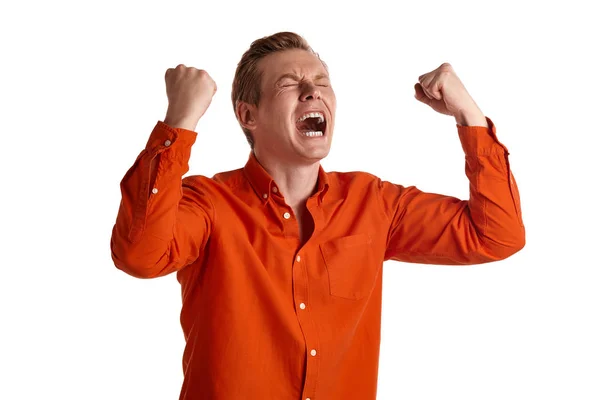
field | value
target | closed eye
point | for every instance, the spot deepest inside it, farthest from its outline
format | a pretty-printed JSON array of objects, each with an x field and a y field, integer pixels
[{"x": 297, "y": 84}]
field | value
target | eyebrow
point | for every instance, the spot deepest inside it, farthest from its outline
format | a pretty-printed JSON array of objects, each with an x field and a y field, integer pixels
[{"x": 297, "y": 78}]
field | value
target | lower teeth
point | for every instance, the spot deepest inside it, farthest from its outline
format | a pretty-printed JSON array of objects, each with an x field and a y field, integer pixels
[{"x": 311, "y": 134}]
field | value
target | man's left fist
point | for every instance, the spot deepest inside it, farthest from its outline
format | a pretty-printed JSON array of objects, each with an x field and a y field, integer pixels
[{"x": 442, "y": 90}]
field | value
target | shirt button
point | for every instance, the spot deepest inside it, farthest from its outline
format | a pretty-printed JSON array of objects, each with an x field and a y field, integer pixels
[
  {"x": 298, "y": 258},
  {"x": 302, "y": 306},
  {"x": 167, "y": 142},
  {"x": 274, "y": 189},
  {"x": 155, "y": 190},
  {"x": 286, "y": 215},
  {"x": 313, "y": 352},
  {"x": 265, "y": 195}
]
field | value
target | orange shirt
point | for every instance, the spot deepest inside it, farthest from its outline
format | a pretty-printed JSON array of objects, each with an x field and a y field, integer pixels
[{"x": 266, "y": 318}]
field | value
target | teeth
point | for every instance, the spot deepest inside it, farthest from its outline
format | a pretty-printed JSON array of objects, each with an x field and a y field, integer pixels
[
  {"x": 312, "y": 115},
  {"x": 312, "y": 134}
]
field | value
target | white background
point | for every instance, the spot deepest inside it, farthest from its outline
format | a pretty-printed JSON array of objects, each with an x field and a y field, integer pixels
[{"x": 82, "y": 86}]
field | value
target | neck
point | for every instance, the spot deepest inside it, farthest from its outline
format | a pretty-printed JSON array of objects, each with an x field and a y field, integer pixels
[{"x": 296, "y": 182}]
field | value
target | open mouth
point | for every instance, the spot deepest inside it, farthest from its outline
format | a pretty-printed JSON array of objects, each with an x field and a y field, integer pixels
[{"x": 312, "y": 124}]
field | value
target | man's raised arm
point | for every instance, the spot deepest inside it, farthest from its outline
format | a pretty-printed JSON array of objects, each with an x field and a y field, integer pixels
[
  {"x": 164, "y": 221},
  {"x": 437, "y": 229}
]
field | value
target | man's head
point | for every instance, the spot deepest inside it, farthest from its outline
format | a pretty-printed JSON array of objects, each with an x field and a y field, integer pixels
[{"x": 282, "y": 98}]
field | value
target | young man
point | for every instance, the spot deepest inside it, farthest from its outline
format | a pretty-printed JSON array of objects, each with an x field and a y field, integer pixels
[{"x": 280, "y": 262}]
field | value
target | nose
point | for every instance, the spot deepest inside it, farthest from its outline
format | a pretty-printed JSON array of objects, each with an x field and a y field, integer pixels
[{"x": 310, "y": 92}]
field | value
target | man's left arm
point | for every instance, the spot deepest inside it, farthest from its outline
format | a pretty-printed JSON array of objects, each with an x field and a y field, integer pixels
[{"x": 437, "y": 229}]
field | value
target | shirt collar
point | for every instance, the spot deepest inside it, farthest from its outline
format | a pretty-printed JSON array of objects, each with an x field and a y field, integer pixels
[{"x": 264, "y": 185}]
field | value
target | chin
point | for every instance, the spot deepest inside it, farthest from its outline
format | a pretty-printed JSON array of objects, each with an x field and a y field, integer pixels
[
  {"x": 314, "y": 155},
  {"x": 313, "y": 148}
]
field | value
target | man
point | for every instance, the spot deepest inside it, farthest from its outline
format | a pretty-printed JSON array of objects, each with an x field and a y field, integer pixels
[{"x": 280, "y": 262}]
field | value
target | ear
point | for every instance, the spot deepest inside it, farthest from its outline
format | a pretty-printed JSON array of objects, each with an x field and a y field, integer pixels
[{"x": 246, "y": 114}]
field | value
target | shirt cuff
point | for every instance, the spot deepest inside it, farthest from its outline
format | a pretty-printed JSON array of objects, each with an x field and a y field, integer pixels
[
  {"x": 479, "y": 140},
  {"x": 163, "y": 136}
]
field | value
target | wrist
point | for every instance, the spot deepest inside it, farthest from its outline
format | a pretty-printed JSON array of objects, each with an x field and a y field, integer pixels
[
  {"x": 471, "y": 117},
  {"x": 183, "y": 123}
]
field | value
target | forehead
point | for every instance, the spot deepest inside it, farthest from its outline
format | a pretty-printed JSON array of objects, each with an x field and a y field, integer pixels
[{"x": 296, "y": 61}]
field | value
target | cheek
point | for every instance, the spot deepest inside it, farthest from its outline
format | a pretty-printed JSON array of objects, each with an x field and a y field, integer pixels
[
  {"x": 280, "y": 109},
  {"x": 332, "y": 97}
]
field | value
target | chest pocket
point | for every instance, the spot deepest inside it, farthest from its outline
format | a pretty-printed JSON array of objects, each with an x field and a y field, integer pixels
[{"x": 351, "y": 266}]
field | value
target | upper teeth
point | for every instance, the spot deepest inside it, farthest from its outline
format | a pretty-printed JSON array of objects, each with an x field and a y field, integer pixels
[{"x": 312, "y": 115}]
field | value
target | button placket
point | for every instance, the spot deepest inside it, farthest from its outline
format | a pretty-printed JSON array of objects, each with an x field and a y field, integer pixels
[
  {"x": 307, "y": 324},
  {"x": 301, "y": 305}
]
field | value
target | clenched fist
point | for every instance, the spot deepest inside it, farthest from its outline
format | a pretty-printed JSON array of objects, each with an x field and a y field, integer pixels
[
  {"x": 190, "y": 92},
  {"x": 442, "y": 90}
]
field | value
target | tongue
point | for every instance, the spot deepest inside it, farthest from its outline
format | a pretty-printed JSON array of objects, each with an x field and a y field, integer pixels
[{"x": 308, "y": 125}]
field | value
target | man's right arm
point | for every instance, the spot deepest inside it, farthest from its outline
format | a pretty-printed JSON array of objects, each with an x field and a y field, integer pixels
[{"x": 163, "y": 222}]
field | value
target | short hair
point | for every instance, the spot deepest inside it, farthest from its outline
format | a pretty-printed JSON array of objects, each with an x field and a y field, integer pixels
[{"x": 248, "y": 78}]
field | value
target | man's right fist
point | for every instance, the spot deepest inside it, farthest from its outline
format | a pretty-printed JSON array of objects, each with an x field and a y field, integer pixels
[{"x": 190, "y": 92}]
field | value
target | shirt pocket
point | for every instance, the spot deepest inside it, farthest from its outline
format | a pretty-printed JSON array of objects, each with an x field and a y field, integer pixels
[{"x": 351, "y": 266}]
